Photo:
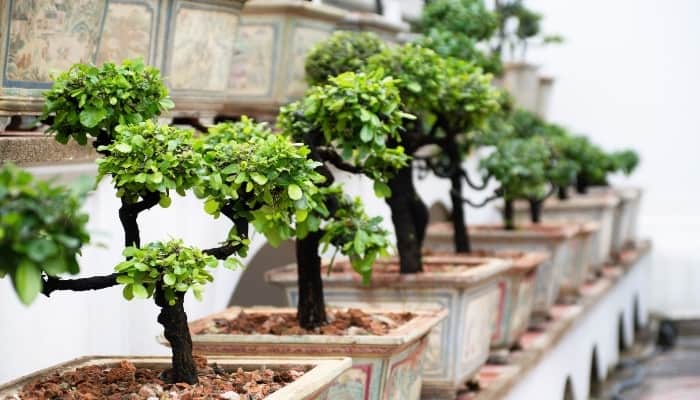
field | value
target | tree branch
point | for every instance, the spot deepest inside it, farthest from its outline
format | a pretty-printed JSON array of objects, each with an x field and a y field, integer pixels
[
  {"x": 78, "y": 285},
  {"x": 480, "y": 204},
  {"x": 337, "y": 161},
  {"x": 473, "y": 185}
]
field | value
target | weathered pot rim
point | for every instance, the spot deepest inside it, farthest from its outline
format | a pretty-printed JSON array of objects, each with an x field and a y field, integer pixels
[
  {"x": 625, "y": 192},
  {"x": 604, "y": 200},
  {"x": 298, "y": 8},
  {"x": 522, "y": 260},
  {"x": 323, "y": 372},
  {"x": 549, "y": 230},
  {"x": 407, "y": 333},
  {"x": 482, "y": 268},
  {"x": 588, "y": 227},
  {"x": 372, "y": 20},
  {"x": 514, "y": 65}
]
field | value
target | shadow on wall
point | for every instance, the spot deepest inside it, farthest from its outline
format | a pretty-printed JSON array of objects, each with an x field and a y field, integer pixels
[
  {"x": 252, "y": 290},
  {"x": 595, "y": 386}
]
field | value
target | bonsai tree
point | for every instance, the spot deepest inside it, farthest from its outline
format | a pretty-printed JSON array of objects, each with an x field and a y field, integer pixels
[
  {"x": 347, "y": 123},
  {"x": 42, "y": 230},
  {"x": 89, "y": 101},
  {"x": 451, "y": 99},
  {"x": 520, "y": 167},
  {"x": 343, "y": 51},
  {"x": 460, "y": 29},
  {"x": 518, "y": 26}
]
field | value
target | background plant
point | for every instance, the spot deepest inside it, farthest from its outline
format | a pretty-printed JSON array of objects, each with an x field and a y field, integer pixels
[
  {"x": 42, "y": 230},
  {"x": 348, "y": 123},
  {"x": 343, "y": 51}
]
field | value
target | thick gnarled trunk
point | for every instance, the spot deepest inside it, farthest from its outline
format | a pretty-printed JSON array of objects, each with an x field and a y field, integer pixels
[
  {"x": 410, "y": 217},
  {"x": 311, "y": 308},
  {"x": 459, "y": 223},
  {"x": 509, "y": 215},
  {"x": 176, "y": 331}
]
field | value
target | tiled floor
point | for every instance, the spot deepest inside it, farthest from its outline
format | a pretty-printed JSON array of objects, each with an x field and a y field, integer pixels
[{"x": 673, "y": 375}]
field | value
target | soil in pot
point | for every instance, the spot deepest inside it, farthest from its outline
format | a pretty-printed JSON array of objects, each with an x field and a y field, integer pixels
[
  {"x": 340, "y": 322},
  {"x": 127, "y": 381}
]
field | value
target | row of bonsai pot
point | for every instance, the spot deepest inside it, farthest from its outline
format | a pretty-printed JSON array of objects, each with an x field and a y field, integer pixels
[{"x": 462, "y": 308}]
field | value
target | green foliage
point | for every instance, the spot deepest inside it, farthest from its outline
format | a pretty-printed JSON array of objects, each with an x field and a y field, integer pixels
[
  {"x": 526, "y": 23},
  {"x": 356, "y": 113},
  {"x": 343, "y": 51},
  {"x": 625, "y": 161},
  {"x": 88, "y": 101},
  {"x": 520, "y": 166},
  {"x": 420, "y": 72},
  {"x": 147, "y": 157},
  {"x": 42, "y": 230},
  {"x": 177, "y": 268},
  {"x": 469, "y": 18},
  {"x": 357, "y": 236},
  {"x": 265, "y": 178},
  {"x": 451, "y": 44}
]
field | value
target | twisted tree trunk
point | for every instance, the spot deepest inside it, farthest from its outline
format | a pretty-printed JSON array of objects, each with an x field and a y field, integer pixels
[
  {"x": 174, "y": 321},
  {"x": 311, "y": 307},
  {"x": 410, "y": 217}
]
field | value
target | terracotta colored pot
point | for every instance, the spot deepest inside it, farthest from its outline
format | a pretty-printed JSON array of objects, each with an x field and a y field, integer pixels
[
  {"x": 466, "y": 286},
  {"x": 313, "y": 385},
  {"x": 384, "y": 367}
]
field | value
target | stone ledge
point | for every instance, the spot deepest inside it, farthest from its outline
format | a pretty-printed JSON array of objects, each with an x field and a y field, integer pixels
[
  {"x": 38, "y": 149},
  {"x": 497, "y": 380}
]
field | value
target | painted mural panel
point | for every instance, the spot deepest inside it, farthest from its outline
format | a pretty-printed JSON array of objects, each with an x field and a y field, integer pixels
[
  {"x": 127, "y": 32},
  {"x": 202, "y": 48},
  {"x": 47, "y": 35},
  {"x": 304, "y": 39},
  {"x": 252, "y": 72}
]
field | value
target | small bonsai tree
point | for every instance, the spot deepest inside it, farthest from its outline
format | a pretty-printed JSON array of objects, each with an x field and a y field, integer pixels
[
  {"x": 451, "y": 99},
  {"x": 525, "y": 25},
  {"x": 343, "y": 51},
  {"x": 460, "y": 29},
  {"x": 520, "y": 166},
  {"x": 347, "y": 123}
]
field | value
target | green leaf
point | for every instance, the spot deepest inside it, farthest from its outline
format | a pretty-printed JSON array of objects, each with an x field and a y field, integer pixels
[
  {"x": 415, "y": 87},
  {"x": 40, "y": 249},
  {"x": 27, "y": 281},
  {"x": 123, "y": 147},
  {"x": 91, "y": 116},
  {"x": 165, "y": 201},
  {"x": 366, "y": 133},
  {"x": 211, "y": 206},
  {"x": 381, "y": 189},
  {"x": 259, "y": 178},
  {"x": 169, "y": 279},
  {"x": 166, "y": 103},
  {"x": 139, "y": 291},
  {"x": 128, "y": 292},
  {"x": 294, "y": 192}
]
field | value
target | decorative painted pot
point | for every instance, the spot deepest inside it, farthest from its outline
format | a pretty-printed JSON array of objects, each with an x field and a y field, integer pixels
[
  {"x": 517, "y": 298},
  {"x": 555, "y": 239},
  {"x": 468, "y": 289},
  {"x": 313, "y": 385},
  {"x": 626, "y": 214},
  {"x": 545, "y": 85},
  {"x": 191, "y": 41},
  {"x": 522, "y": 81},
  {"x": 575, "y": 276},
  {"x": 274, "y": 38},
  {"x": 599, "y": 208},
  {"x": 384, "y": 367},
  {"x": 370, "y": 22}
]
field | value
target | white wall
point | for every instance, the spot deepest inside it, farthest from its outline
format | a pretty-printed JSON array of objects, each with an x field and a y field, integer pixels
[{"x": 627, "y": 75}]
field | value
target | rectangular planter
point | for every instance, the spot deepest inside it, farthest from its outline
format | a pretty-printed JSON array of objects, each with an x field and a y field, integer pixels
[
  {"x": 626, "y": 214},
  {"x": 523, "y": 82},
  {"x": 274, "y": 38},
  {"x": 468, "y": 289},
  {"x": 578, "y": 272},
  {"x": 313, "y": 385},
  {"x": 191, "y": 41},
  {"x": 384, "y": 367},
  {"x": 555, "y": 239},
  {"x": 598, "y": 208}
]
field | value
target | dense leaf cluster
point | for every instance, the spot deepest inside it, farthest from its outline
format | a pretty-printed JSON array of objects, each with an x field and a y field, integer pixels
[
  {"x": 87, "y": 101},
  {"x": 171, "y": 265},
  {"x": 42, "y": 230},
  {"x": 147, "y": 157},
  {"x": 343, "y": 51}
]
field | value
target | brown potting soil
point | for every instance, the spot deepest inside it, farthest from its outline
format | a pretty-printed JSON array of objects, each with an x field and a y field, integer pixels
[
  {"x": 128, "y": 382},
  {"x": 340, "y": 323}
]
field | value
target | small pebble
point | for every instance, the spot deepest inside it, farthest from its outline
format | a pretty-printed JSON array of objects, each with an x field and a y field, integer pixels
[{"x": 231, "y": 395}]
